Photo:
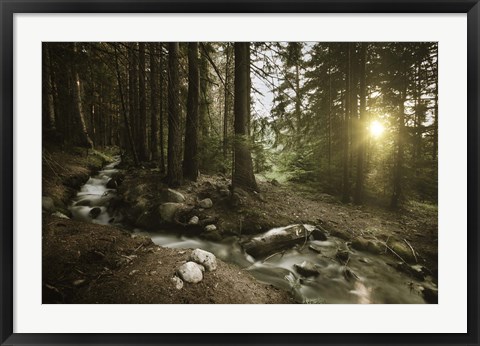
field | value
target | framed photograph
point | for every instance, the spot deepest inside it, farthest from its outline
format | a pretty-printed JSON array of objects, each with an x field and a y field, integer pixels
[{"x": 260, "y": 172}]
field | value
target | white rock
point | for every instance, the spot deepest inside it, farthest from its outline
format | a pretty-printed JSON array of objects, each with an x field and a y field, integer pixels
[
  {"x": 190, "y": 272},
  {"x": 194, "y": 220},
  {"x": 205, "y": 258},
  {"x": 210, "y": 228},
  {"x": 60, "y": 215},
  {"x": 175, "y": 196},
  {"x": 168, "y": 210},
  {"x": 177, "y": 282},
  {"x": 205, "y": 203}
]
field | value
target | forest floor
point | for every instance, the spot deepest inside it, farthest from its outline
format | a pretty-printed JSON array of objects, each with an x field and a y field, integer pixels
[
  {"x": 88, "y": 263},
  {"x": 410, "y": 231},
  {"x": 85, "y": 263}
]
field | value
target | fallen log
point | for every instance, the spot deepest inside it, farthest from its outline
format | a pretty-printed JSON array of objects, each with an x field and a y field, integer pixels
[{"x": 277, "y": 239}]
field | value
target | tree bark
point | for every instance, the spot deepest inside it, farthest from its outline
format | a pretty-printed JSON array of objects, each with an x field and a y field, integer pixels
[
  {"x": 84, "y": 138},
  {"x": 361, "y": 135},
  {"x": 162, "y": 112},
  {"x": 398, "y": 167},
  {"x": 124, "y": 111},
  {"x": 243, "y": 176},
  {"x": 174, "y": 168},
  {"x": 435, "y": 124},
  {"x": 190, "y": 159},
  {"x": 153, "y": 103},
  {"x": 48, "y": 110},
  {"x": 142, "y": 99},
  {"x": 132, "y": 112},
  {"x": 204, "y": 97},
  {"x": 346, "y": 125},
  {"x": 226, "y": 110}
]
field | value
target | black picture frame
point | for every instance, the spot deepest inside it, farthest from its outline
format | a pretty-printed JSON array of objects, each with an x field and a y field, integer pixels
[{"x": 9, "y": 7}]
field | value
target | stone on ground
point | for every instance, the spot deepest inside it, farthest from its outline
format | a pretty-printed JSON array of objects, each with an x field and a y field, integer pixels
[
  {"x": 205, "y": 258},
  {"x": 47, "y": 204},
  {"x": 190, "y": 272},
  {"x": 60, "y": 215},
  {"x": 168, "y": 211},
  {"x": 367, "y": 245},
  {"x": 177, "y": 282},
  {"x": 175, "y": 196},
  {"x": 205, "y": 203},
  {"x": 210, "y": 228},
  {"x": 194, "y": 220},
  {"x": 403, "y": 250}
]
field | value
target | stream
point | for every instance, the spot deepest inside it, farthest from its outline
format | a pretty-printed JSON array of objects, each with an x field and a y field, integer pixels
[{"x": 368, "y": 279}]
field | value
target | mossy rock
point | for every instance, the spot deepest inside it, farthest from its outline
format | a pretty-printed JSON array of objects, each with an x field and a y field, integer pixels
[
  {"x": 402, "y": 250},
  {"x": 367, "y": 245}
]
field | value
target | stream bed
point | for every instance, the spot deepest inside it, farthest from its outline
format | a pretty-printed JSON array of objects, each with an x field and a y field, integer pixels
[{"x": 366, "y": 278}]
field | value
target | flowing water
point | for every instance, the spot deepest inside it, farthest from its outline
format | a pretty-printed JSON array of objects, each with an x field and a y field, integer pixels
[{"x": 367, "y": 278}]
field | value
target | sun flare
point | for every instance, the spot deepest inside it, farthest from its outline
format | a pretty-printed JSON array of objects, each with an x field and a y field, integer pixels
[{"x": 376, "y": 129}]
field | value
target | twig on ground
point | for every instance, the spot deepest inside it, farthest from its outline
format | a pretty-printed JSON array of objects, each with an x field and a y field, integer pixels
[
  {"x": 138, "y": 247},
  {"x": 411, "y": 248},
  {"x": 396, "y": 254}
]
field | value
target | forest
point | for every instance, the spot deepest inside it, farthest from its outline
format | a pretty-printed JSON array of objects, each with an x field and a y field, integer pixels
[{"x": 339, "y": 135}]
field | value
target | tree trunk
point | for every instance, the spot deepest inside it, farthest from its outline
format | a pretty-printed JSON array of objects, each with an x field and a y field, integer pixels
[
  {"x": 132, "y": 112},
  {"x": 124, "y": 111},
  {"x": 190, "y": 159},
  {"x": 204, "y": 97},
  {"x": 84, "y": 138},
  {"x": 48, "y": 111},
  {"x": 135, "y": 102},
  {"x": 226, "y": 105},
  {"x": 153, "y": 104},
  {"x": 435, "y": 124},
  {"x": 398, "y": 167},
  {"x": 174, "y": 169},
  {"x": 298, "y": 104},
  {"x": 418, "y": 120},
  {"x": 142, "y": 99},
  {"x": 346, "y": 125},
  {"x": 53, "y": 99},
  {"x": 243, "y": 168},
  {"x": 162, "y": 112},
  {"x": 329, "y": 122},
  {"x": 361, "y": 135}
]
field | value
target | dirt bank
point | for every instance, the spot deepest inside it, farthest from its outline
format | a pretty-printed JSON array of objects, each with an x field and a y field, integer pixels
[
  {"x": 64, "y": 173},
  {"x": 88, "y": 263}
]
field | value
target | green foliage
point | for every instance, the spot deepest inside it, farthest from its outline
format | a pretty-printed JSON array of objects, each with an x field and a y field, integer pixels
[
  {"x": 308, "y": 116},
  {"x": 211, "y": 159},
  {"x": 307, "y": 135}
]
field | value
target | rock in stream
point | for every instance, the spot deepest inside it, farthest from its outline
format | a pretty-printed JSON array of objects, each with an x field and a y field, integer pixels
[{"x": 277, "y": 239}]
